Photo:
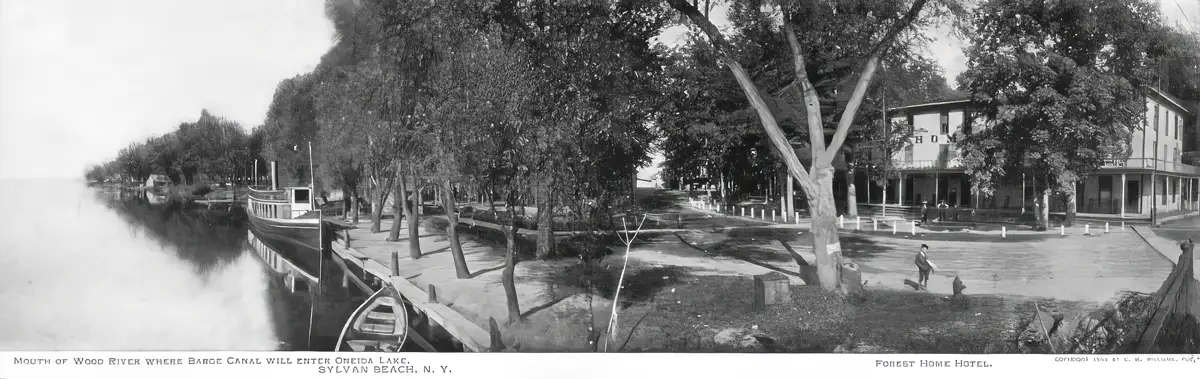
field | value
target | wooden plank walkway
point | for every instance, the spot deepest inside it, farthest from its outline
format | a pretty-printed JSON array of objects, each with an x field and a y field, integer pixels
[{"x": 472, "y": 337}]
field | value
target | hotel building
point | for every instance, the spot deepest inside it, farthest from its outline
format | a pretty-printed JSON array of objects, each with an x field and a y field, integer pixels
[{"x": 1154, "y": 179}]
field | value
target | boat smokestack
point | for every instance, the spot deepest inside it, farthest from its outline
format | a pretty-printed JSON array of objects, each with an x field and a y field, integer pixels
[{"x": 274, "y": 177}]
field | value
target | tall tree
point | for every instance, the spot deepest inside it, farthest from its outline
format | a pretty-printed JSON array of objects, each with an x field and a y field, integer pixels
[
  {"x": 477, "y": 118},
  {"x": 1061, "y": 87},
  {"x": 846, "y": 22}
]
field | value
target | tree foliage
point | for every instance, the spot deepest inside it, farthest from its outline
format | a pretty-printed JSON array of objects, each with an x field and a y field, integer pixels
[{"x": 1060, "y": 86}]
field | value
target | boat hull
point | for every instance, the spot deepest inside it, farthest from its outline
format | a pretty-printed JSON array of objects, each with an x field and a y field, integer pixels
[{"x": 297, "y": 240}]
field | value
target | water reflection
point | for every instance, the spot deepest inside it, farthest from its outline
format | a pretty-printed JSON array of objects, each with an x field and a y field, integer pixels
[{"x": 83, "y": 269}]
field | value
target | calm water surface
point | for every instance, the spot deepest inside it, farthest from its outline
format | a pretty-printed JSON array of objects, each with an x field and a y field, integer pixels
[{"x": 81, "y": 269}]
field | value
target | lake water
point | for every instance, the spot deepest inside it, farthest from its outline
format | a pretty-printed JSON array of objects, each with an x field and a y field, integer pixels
[{"x": 84, "y": 270}]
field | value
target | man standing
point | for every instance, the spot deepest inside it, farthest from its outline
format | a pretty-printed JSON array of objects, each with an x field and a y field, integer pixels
[
  {"x": 924, "y": 213},
  {"x": 923, "y": 266}
]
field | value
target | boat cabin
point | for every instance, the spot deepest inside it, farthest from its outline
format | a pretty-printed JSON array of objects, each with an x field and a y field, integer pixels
[
  {"x": 286, "y": 203},
  {"x": 157, "y": 181}
]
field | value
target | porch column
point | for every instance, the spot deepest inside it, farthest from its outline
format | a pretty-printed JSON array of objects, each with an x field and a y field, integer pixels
[
  {"x": 900, "y": 190},
  {"x": 1122, "y": 198},
  {"x": 1178, "y": 193},
  {"x": 936, "y": 186}
]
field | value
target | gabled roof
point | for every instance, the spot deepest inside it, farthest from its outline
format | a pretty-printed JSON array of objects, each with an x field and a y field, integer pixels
[{"x": 1170, "y": 99}]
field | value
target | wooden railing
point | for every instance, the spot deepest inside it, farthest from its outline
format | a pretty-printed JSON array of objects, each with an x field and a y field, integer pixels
[
  {"x": 906, "y": 164},
  {"x": 1152, "y": 164}
]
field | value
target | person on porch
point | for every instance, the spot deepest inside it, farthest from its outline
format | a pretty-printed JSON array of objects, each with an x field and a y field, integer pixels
[{"x": 924, "y": 213}]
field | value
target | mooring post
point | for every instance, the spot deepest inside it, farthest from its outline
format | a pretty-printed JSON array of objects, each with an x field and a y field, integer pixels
[
  {"x": 1106, "y": 228},
  {"x": 893, "y": 226},
  {"x": 1087, "y": 229},
  {"x": 875, "y": 224},
  {"x": 1062, "y": 229},
  {"x": 858, "y": 222},
  {"x": 395, "y": 263},
  {"x": 913, "y": 227},
  {"x": 432, "y": 294},
  {"x": 1003, "y": 232}
]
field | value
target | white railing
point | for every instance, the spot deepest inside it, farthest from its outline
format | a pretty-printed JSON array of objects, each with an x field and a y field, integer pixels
[{"x": 1152, "y": 164}]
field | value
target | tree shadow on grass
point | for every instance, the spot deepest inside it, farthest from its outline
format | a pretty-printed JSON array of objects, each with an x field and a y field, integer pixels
[{"x": 639, "y": 286}]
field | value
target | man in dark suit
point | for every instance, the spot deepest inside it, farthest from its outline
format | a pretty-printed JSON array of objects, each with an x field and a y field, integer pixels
[{"x": 923, "y": 266}]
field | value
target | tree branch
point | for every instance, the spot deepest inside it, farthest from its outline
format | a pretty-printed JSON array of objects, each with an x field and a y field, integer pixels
[
  {"x": 864, "y": 81},
  {"x": 812, "y": 105},
  {"x": 778, "y": 139}
]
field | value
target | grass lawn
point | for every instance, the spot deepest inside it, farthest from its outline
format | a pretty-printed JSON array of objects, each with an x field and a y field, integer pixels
[{"x": 817, "y": 321}]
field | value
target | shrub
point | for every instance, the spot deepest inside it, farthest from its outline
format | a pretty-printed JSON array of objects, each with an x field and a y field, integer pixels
[{"x": 201, "y": 190}]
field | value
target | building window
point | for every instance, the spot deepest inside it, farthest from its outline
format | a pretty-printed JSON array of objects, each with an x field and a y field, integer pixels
[
  {"x": 1156, "y": 117},
  {"x": 945, "y": 122},
  {"x": 1178, "y": 120},
  {"x": 908, "y": 153}
]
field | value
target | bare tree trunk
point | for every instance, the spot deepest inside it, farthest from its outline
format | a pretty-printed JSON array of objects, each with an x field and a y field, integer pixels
[
  {"x": 510, "y": 266},
  {"x": 851, "y": 195},
  {"x": 414, "y": 241},
  {"x": 354, "y": 205},
  {"x": 1043, "y": 210},
  {"x": 724, "y": 192},
  {"x": 826, "y": 245},
  {"x": 460, "y": 261},
  {"x": 397, "y": 206},
  {"x": 420, "y": 191},
  {"x": 376, "y": 206},
  {"x": 1072, "y": 207},
  {"x": 545, "y": 220}
]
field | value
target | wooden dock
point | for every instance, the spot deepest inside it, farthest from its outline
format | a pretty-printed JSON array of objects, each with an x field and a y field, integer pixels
[{"x": 472, "y": 337}]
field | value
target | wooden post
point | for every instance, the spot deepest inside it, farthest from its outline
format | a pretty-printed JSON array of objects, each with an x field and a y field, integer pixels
[
  {"x": 432, "y": 294},
  {"x": 395, "y": 263}
]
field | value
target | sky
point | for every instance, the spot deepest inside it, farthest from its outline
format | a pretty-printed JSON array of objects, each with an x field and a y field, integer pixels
[{"x": 80, "y": 79}]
